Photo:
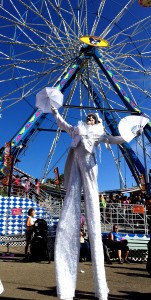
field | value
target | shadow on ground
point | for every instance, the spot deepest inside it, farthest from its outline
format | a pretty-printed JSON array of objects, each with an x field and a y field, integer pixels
[
  {"x": 131, "y": 296},
  {"x": 50, "y": 292},
  {"x": 12, "y": 298}
]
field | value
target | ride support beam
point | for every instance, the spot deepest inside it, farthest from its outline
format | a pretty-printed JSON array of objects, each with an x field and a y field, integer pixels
[
  {"x": 22, "y": 137},
  {"x": 128, "y": 102}
]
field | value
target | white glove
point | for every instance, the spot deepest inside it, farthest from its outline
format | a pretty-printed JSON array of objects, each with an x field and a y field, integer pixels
[
  {"x": 99, "y": 119},
  {"x": 54, "y": 110},
  {"x": 139, "y": 131}
]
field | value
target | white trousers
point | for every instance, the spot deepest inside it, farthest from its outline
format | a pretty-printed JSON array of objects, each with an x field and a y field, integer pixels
[{"x": 67, "y": 245}]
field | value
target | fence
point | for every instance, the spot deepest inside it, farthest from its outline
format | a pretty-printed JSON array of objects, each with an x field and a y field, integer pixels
[
  {"x": 14, "y": 221},
  {"x": 19, "y": 191},
  {"x": 129, "y": 218}
]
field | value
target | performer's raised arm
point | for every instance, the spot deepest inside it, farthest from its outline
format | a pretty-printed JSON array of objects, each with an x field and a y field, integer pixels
[
  {"x": 129, "y": 128},
  {"x": 61, "y": 122},
  {"x": 110, "y": 139}
]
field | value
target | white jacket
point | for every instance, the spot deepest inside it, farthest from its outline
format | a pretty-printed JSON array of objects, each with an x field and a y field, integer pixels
[{"x": 89, "y": 135}]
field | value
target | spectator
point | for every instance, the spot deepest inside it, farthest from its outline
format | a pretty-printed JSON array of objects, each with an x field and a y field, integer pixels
[
  {"x": 142, "y": 199},
  {"x": 125, "y": 207},
  {"x": 117, "y": 243},
  {"x": 82, "y": 221},
  {"x": 84, "y": 247},
  {"x": 37, "y": 186},
  {"x": 29, "y": 229},
  {"x": 102, "y": 208},
  {"x": 16, "y": 185},
  {"x": 27, "y": 187},
  {"x": 107, "y": 208}
]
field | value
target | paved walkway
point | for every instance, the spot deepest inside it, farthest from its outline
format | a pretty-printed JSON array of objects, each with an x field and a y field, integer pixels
[{"x": 26, "y": 281}]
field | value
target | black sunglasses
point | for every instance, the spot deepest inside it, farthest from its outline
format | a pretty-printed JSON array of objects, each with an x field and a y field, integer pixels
[{"x": 89, "y": 118}]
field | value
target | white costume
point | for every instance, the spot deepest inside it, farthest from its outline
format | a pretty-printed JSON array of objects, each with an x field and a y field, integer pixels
[
  {"x": 1, "y": 287},
  {"x": 80, "y": 172}
]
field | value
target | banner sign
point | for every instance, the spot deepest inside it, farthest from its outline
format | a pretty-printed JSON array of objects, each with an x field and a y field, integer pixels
[
  {"x": 138, "y": 209},
  {"x": 16, "y": 211}
]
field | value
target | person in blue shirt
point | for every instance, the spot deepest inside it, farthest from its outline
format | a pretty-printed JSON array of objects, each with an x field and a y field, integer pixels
[{"x": 117, "y": 243}]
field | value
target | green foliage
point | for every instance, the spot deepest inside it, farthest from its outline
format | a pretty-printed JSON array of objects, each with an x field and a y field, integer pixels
[
  {"x": 50, "y": 181},
  {"x": 4, "y": 191},
  {"x": 61, "y": 177}
]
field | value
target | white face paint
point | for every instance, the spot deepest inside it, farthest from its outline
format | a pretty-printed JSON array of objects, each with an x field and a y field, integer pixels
[{"x": 90, "y": 120}]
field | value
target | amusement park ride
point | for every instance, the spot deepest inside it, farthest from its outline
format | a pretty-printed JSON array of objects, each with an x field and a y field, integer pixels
[{"x": 90, "y": 51}]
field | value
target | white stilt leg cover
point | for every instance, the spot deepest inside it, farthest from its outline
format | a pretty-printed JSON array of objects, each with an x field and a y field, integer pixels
[{"x": 83, "y": 173}]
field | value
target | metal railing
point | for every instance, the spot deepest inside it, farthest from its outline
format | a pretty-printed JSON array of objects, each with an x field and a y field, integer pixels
[
  {"x": 46, "y": 193},
  {"x": 132, "y": 218},
  {"x": 9, "y": 220},
  {"x": 19, "y": 191},
  {"x": 129, "y": 218}
]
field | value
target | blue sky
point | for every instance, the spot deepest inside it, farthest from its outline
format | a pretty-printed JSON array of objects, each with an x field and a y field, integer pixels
[{"x": 22, "y": 65}]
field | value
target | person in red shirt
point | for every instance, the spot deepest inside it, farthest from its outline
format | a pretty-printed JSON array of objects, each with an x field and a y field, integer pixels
[
  {"x": 37, "y": 186},
  {"x": 16, "y": 185},
  {"x": 27, "y": 187}
]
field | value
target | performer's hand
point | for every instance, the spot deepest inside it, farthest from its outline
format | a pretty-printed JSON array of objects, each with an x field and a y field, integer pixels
[
  {"x": 139, "y": 132},
  {"x": 99, "y": 119},
  {"x": 54, "y": 110}
]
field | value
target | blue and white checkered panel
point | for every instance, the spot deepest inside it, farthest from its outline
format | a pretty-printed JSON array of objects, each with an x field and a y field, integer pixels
[{"x": 10, "y": 224}]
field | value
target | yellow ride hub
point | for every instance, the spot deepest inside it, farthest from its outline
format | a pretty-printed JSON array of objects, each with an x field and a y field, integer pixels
[{"x": 94, "y": 41}]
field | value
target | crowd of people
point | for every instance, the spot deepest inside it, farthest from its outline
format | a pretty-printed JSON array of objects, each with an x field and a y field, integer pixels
[
  {"x": 113, "y": 241},
  {"x": 24, "y": 187},
  {"x": 117, "y": 208},
  {"x": 119, "y": 199}
]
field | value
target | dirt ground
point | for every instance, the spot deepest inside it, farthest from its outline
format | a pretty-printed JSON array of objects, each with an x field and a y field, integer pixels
[{"x": 31, "y": 280}]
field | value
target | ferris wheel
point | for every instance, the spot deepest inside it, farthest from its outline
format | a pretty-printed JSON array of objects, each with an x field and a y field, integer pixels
[{"x": 58, "y": 43}]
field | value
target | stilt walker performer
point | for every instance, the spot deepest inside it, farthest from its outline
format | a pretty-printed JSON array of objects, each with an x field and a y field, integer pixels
[{"x": 80, "y": 173}]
